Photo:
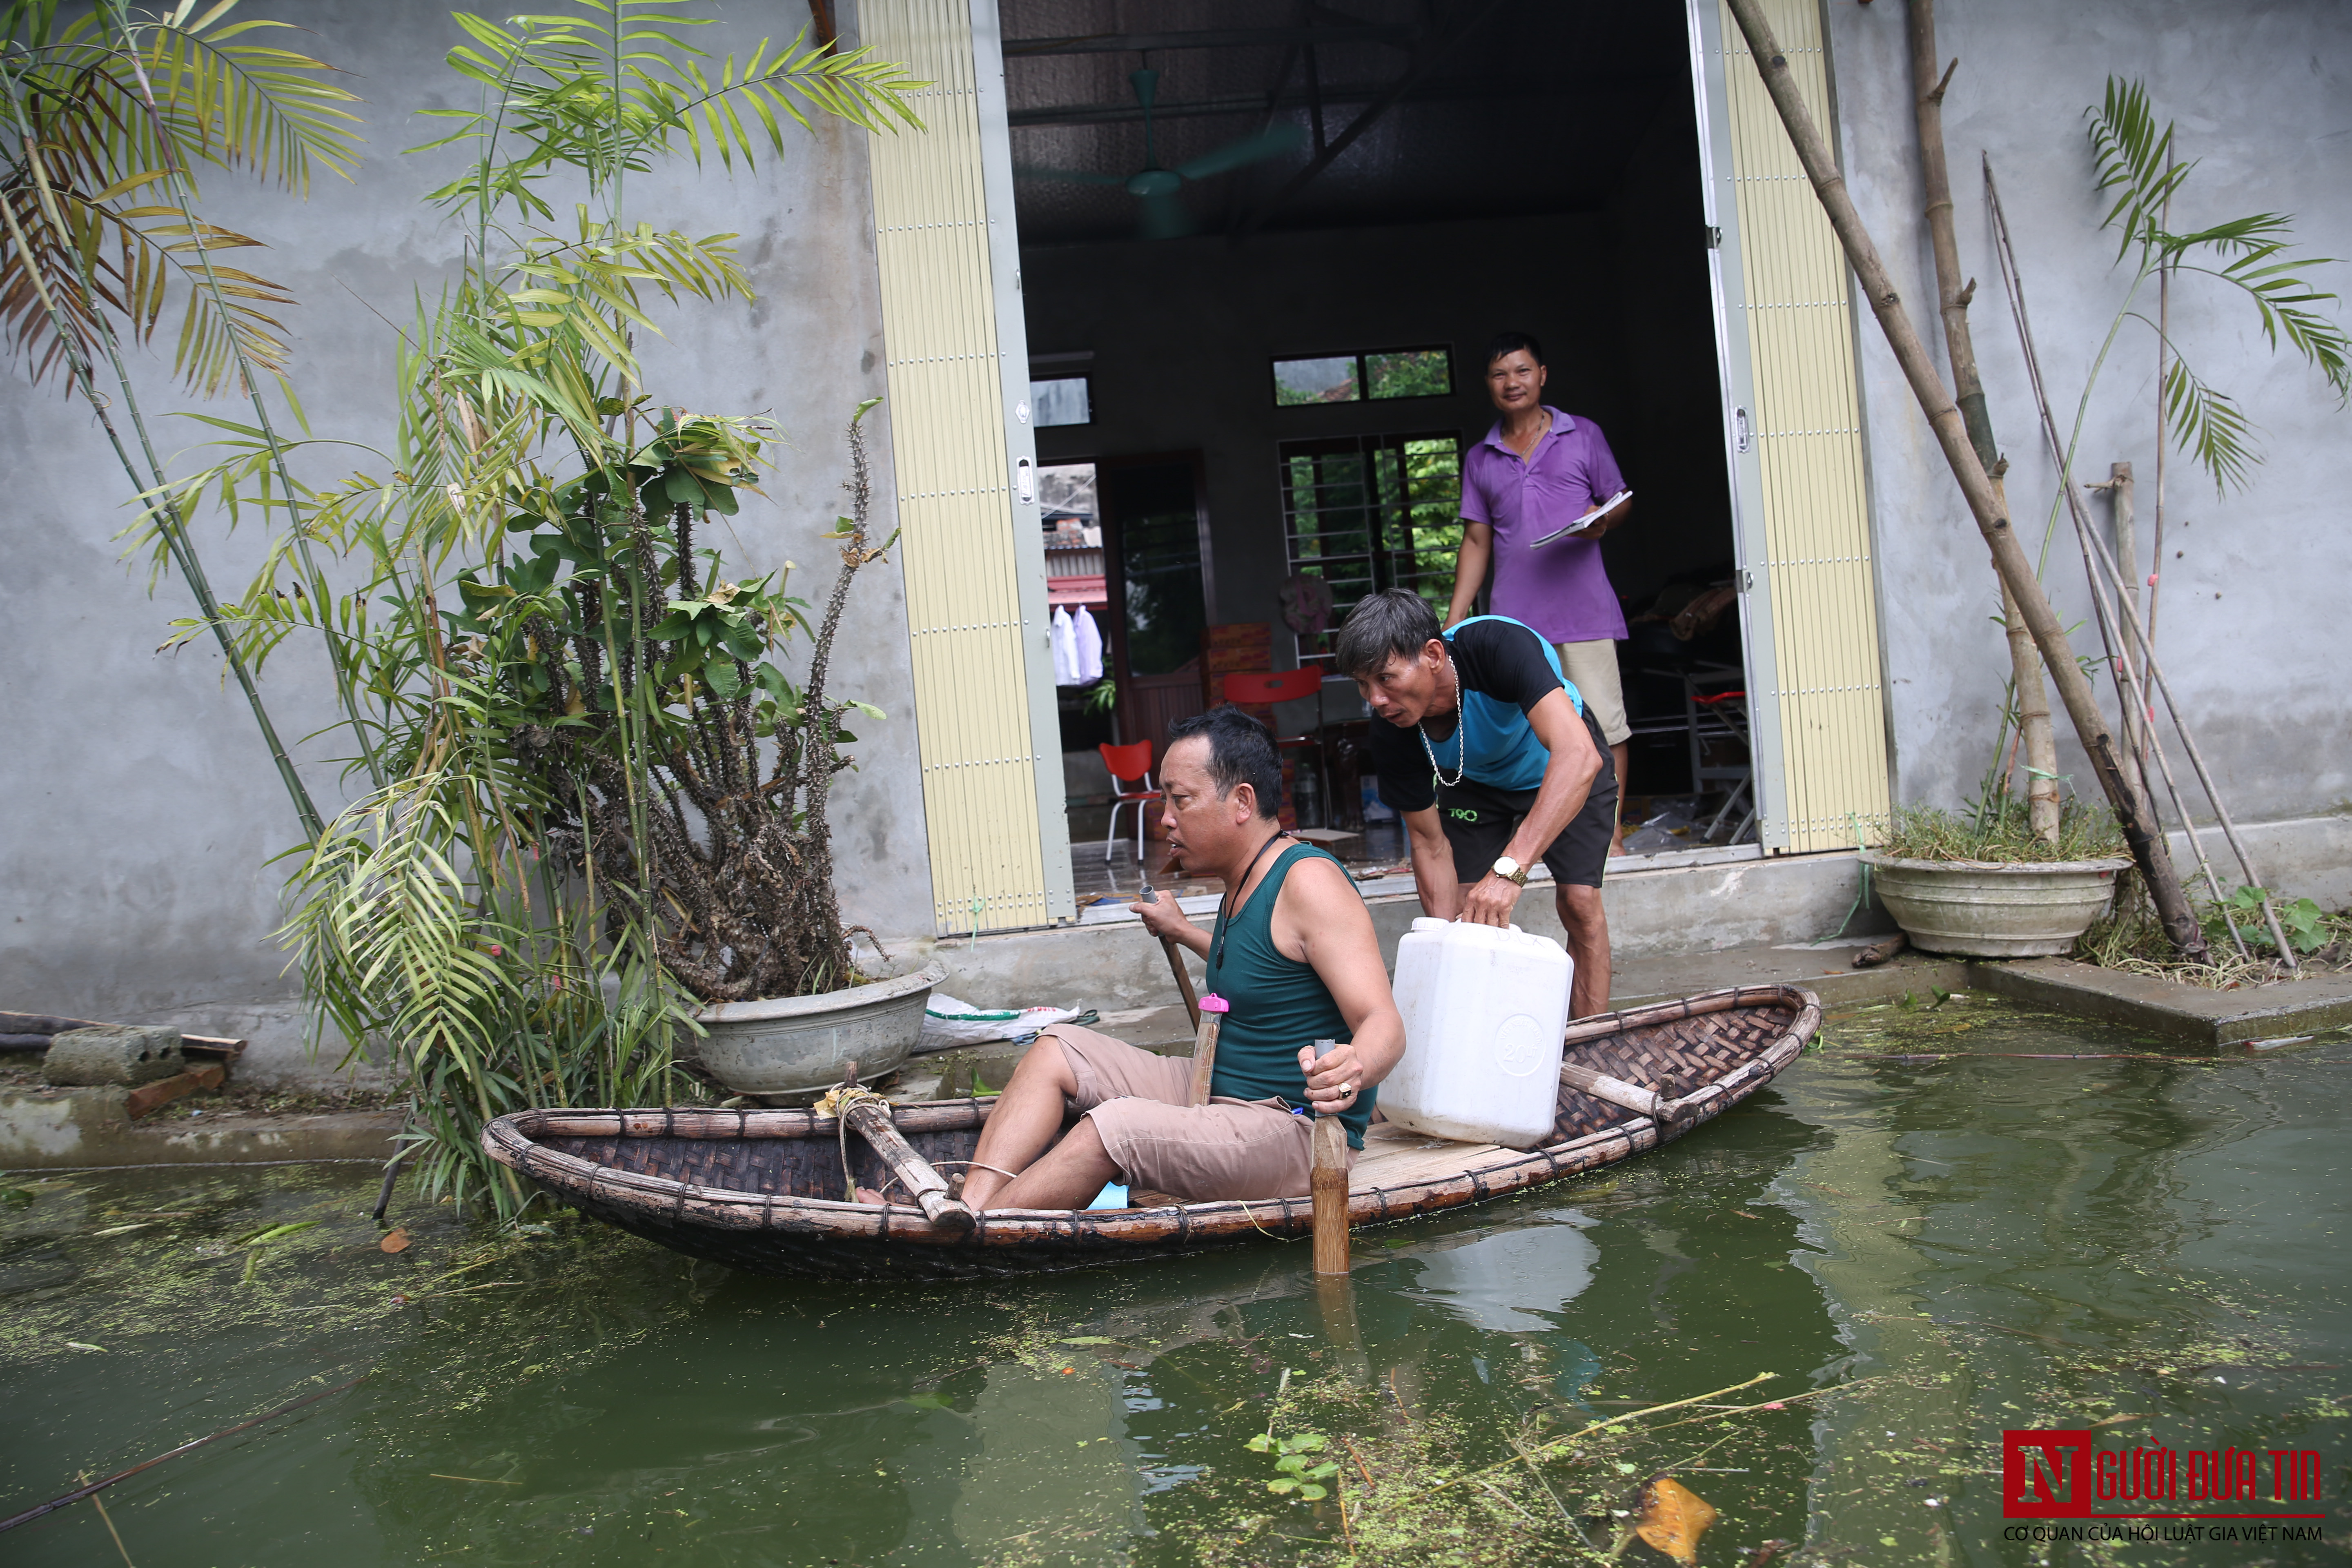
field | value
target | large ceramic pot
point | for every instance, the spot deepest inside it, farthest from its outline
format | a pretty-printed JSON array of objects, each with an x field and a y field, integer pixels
[
  {"x": 794, "y": 1046},
  {"x": 1985, "y": 909}
]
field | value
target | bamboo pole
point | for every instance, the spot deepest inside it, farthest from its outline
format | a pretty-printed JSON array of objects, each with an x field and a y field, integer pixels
[
  {"x": 2131, "y": 690},
  {"x": 2132, "y": 813},
  {"x": 2037, "y": 743}
]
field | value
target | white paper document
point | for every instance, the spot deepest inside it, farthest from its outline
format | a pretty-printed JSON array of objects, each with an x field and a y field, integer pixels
[{"x": 1586, "y": 520}]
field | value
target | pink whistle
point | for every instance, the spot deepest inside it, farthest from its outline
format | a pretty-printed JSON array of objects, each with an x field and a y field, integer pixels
[
  {"x": 1212, "y": 1003},
  {"x": 2151, "y": 579}
]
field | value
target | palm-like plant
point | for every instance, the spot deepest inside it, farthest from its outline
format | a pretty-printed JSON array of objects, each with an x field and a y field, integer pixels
[
  {"x": 2137, "y": 168},
  {"x": 105, "y": 113},
  {"x": 553, "y": 679}
]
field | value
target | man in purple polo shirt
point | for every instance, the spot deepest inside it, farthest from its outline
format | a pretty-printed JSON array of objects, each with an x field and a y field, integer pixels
[{"x": 1537, "y": 471}]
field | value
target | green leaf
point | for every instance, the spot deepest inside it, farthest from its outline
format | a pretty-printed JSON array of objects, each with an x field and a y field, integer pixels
[{"x": 1091, "y": 1340}]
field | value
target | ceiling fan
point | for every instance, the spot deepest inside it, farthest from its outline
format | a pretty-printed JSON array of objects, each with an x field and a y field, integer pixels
[{"x": 1161, "y": 215}]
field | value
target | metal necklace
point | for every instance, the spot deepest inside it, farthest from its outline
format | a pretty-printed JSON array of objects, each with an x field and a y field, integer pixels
[{"x": 1461, "y": 735}]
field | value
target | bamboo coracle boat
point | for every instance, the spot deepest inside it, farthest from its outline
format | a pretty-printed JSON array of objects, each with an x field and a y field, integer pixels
[{"x": 761, "y": 1190}]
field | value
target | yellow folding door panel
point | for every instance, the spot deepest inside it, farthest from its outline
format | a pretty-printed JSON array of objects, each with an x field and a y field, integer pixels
[
  {"x": 971, "y": 544},
  {"x": 1825, "y": 696}
]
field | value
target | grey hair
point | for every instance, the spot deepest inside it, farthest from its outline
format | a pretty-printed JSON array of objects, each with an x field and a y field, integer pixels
[{"x": 1393, "y": 622}]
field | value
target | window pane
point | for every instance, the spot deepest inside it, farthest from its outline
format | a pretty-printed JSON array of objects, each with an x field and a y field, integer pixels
[
  {"x": 1062, "y": 401},
  {"x": 1299, "y": 381},
  {"x": 1410, "y": 372}
]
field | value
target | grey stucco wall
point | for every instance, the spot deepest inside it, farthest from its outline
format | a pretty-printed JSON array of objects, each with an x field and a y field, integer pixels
[
  {"x": 141, "y": 810},
  {"x": 2250, "y": 628}
]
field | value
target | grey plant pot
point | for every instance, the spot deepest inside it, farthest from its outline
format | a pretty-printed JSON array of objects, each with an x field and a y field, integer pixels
[
  {"x": 797, "y": 1046},
  {"x": 1983, "y": 908}
]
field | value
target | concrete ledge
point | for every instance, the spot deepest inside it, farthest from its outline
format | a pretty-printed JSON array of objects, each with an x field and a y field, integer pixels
[
  {"x": 1680, "y": 909},
  {"x": 65, "y": 1128},
  {"x": 2186, "y": 1012}
]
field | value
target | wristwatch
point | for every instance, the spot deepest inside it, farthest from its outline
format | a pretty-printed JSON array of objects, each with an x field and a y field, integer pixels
[{"x": 1510, "y": 871}]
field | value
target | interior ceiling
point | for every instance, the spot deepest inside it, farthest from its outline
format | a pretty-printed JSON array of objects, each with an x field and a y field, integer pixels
[{"x": 1428, "y": 109}]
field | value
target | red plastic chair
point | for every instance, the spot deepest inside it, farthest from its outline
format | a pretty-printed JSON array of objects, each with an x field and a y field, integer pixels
[
  {"x": 1264, "y": 687},
  {"x": 1132, "y": 761}
]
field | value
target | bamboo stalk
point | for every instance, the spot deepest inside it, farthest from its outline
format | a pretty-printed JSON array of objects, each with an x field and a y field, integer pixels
[
  {"x": 2104, "y": 574},
  {"x": 2139, "y": 828},
  {"x": 2039, "y": 744},
  {"x": 870, "y": 1119}
]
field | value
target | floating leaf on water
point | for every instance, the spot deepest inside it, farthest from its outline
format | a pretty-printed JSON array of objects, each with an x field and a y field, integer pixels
[
  {"x": 1673, "y": 1519},
  {"x": 78, "y": 1346},
  {"x": 1091, "y": 1340},
  {"x": 395, "y": 1241}
]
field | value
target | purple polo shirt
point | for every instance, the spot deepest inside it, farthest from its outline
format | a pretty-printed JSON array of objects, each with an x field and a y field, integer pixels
[{"x": 1561, "y": 590}]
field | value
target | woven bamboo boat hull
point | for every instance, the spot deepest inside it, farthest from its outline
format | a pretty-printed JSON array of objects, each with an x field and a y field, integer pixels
[{"x": 758, "y": 1189}]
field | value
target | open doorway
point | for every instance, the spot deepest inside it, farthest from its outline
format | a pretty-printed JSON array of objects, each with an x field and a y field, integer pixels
[
  {"x": 1282, "y": 241},
  {"x": 1126, "y": 563}
]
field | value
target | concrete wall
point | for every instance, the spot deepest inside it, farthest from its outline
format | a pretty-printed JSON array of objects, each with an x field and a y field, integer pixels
[
  {"x": 141, "y": 810},
  {"x": 2254, "y": 581}
]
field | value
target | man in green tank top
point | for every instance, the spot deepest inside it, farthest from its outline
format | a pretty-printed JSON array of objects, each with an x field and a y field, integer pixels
[{"x": 1293, "y": 953}]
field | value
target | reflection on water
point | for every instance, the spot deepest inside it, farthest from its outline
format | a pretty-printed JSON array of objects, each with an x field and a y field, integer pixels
[{"x": 1966, "y": 1241}]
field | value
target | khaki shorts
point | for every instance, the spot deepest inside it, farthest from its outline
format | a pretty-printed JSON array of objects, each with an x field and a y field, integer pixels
[
  {"x": 1592, "y": 668},
  {"x": 1225, "y": 1149}
]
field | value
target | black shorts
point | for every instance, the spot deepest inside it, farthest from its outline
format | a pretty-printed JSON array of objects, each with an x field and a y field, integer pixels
[{"x": 1480, "y": 820}]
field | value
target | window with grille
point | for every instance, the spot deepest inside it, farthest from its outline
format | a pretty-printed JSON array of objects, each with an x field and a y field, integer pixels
[{"x": 1369, "y": 512}]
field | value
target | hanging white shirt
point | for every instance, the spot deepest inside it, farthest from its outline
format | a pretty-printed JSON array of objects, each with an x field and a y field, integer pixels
[
  {"x": 1089, "y": 647},
  {"x": 1064, "y": 640}
]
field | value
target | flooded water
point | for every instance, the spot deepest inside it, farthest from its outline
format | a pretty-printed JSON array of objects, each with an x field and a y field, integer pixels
[{"x": 1925, "y": 1242}]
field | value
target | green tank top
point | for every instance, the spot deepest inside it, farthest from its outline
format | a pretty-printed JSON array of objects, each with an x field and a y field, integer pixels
[{"x": 1278, "y": 1005}]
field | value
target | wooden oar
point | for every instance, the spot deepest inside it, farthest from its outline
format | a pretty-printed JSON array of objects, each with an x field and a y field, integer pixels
[
  {"x": 1176, "y": 966},
  {"x": 869, "y": 1116},
  {"x": 1211, "y": 1017}
]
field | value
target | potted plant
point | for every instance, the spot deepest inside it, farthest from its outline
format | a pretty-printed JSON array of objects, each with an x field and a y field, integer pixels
[
  {"x": 686, "y": 775},
  {"x": 1985, "y": 884}
]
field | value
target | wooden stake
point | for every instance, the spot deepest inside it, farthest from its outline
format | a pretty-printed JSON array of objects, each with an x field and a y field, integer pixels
[
  {"x": 2041, "y": 747},
  {"x": 1329, "y": 1182},
  {"x": 2132, "y": 813}
]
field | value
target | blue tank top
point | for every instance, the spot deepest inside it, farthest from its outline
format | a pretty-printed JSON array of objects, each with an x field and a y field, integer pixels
[
  {"x": 1494, "y": 742},
  {"x": 1279, "y": 1005}
]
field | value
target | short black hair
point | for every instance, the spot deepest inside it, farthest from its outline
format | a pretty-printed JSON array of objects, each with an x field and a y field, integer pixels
[
  {"x": 1511, "y": 343},
  {"x": 1391, "y": 623},
  {"x": 1240, "y": 751}
]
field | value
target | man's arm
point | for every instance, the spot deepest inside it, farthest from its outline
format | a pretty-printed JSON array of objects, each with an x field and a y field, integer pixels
[
  {"x": 1470, "y": 568},
  {"x": 1568, "y": 779},
  {"x": 1321, "y": 920},
  {"x": 1164, "y": 920},
  {"x": 1433, "y": 864}
]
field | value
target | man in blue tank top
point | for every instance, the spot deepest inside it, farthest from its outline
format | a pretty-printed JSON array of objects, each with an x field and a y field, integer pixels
[
  {"x": 1293, "y": 953},
  {"x": 1494, "y": 762}
]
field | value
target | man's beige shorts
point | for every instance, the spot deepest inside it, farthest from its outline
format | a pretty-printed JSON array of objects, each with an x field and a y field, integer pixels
[
  {"x": 1592, "y": 668},
  {"x": 1225, "y": 1149}
]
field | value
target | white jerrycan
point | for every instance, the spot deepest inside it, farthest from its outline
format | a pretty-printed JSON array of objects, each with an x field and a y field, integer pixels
[{"x": 1484, "y": 1010}]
